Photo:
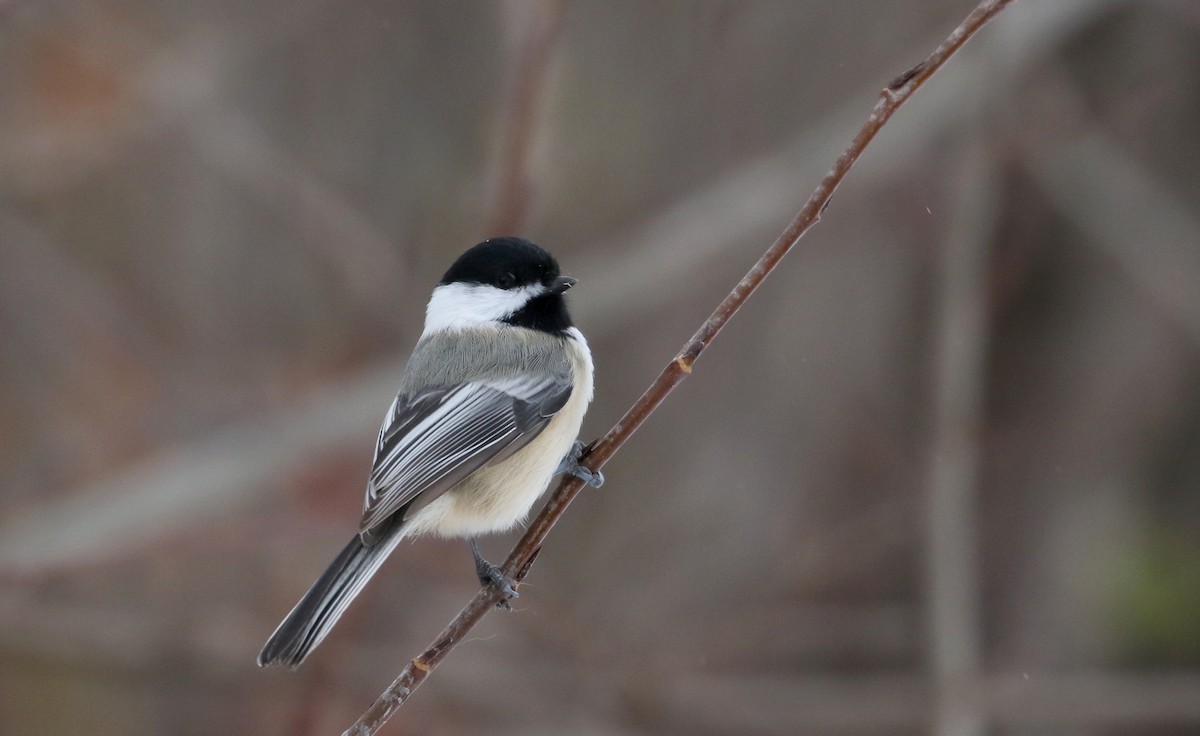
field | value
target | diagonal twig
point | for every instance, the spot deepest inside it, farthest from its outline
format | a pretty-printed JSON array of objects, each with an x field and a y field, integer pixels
[{"x": 522, "y": 557}]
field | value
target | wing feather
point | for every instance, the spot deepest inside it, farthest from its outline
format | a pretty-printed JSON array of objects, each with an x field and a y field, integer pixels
[{"x": 433, "y": 440}]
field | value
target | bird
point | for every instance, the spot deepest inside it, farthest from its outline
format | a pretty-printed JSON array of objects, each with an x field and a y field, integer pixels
[{"x": 488, "y": 411}]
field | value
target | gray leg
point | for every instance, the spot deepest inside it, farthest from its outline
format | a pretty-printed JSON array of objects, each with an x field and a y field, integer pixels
[
  {"x": 570, "y": 466},
  {"x": 489, "y": 573}
]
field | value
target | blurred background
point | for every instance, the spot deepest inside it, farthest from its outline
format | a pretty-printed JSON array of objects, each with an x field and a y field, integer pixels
[{"x": 942, "y": 474}]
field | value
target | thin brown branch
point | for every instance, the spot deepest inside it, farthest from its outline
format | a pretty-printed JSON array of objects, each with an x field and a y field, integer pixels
[{"x": 521, "y": 559}]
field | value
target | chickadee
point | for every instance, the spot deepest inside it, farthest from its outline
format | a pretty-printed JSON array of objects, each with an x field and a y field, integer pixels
[{"x": 489, "y": 407}]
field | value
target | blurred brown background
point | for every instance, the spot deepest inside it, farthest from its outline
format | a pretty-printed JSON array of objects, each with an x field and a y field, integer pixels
[{"x": 940, "y": 476}]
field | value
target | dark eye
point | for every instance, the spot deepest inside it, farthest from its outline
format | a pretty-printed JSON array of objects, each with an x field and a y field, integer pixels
[{"x": 506, "y": 281}]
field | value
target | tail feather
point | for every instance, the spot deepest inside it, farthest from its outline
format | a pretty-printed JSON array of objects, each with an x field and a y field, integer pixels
[{"x": 325, "y": 602}]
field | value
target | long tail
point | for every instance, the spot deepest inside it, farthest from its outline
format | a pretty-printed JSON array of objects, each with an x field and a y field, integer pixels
[{"x": 325, "y": 602}]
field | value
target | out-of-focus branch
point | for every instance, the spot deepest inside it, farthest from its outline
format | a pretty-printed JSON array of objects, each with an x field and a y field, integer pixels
[
  {"x": 951, "y": 558},
  {"x": 1129, "y": 215},
  {"x": 186, "y": 485},
  {"x": 513, "y": 181},
  {"x": 356, "y": 250},
  {"x": 899, "y": 91}
]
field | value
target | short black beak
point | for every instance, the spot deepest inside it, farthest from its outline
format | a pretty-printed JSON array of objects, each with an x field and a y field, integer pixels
[{"x": 561, "y": 284}]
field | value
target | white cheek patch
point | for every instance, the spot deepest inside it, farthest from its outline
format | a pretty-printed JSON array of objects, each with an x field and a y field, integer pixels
[{"x": 455, "y": 306}]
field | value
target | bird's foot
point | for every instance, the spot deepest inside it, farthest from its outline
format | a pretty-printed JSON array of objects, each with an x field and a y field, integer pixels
[
  {"x": 490, "y": 574},
  {"x": 570, "y": 466}
]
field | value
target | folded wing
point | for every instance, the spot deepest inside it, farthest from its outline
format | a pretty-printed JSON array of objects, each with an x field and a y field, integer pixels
[{"x": 431, "y": 441}]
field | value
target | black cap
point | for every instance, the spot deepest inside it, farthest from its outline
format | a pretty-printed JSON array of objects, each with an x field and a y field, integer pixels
[{"x": 504, "y": 263}]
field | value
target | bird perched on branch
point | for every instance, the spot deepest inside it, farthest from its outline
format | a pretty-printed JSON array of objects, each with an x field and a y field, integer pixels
[{"x": 489, "y": 408}]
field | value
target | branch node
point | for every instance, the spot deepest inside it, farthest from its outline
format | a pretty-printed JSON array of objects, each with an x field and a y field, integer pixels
[{"x": 906, "y": 77}]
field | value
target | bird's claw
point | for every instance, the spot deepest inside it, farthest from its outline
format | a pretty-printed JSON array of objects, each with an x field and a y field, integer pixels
[
  {"x": 570, "y": 466},
  {"x": 508, "y": 586},
  {"x": 490, "y": 574}
]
